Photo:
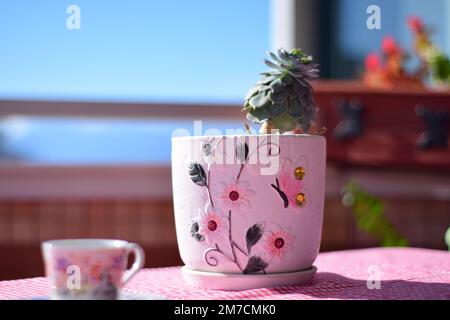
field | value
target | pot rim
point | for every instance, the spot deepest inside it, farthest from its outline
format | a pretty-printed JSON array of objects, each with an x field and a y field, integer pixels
[{"x": 293, "y": 135}]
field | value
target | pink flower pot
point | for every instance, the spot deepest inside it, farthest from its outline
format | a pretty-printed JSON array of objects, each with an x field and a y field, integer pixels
[{"x": 248, "y": 209}]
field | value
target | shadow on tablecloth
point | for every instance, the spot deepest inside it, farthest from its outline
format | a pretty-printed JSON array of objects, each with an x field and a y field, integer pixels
[{"x": 327, "y": 285}]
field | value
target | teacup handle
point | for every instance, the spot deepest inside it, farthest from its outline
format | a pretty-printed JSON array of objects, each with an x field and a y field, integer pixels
[{"x": 138, "y": 264}]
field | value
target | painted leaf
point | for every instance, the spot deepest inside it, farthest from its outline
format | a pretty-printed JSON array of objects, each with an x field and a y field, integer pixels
[
  {"x": 197, "y": 174},
  {"x": 254, "y": 233},
  {"x": 242, "y": 151},
  {"x": 206, "y": 147},
  {"x": 194, "y": 228},
  {"x": 194, "y": 232},
  {"x": 198, "y": 237},
  {"x": 255, "y": 264}
]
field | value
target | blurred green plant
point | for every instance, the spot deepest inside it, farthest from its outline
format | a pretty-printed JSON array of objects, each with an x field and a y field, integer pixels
[
  {"x": 447, "y": 238},
  {"x": 370, "y": 215}
]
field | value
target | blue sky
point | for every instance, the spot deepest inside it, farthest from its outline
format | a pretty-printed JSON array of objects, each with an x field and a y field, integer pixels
[
  {"x": 356, "y": 40},
  {"x": 168, "y": 50},
  {"x": 153, "y": 50},
  {"x": 171, "y": 50}
]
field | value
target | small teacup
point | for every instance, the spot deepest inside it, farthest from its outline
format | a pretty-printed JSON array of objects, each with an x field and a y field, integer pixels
[{"x": 89, "y": 269}]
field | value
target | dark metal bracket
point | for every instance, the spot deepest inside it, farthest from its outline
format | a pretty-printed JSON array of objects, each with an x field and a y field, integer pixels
[
  {"x": 435, "y": 135},
  {"x": 351, "y": 125}
]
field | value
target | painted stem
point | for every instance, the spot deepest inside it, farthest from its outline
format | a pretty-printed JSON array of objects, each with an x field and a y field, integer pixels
[
  {"x": 212, "y": 261},
  {"x": 208, "y": 190},
  {"x": 240, "y": 171},
  {"x": 232, "y": 243},
  {"x": 240, "y": 249}
]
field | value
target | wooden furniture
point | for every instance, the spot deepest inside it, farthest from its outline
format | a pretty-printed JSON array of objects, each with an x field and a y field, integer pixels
[{"x": 391, "y": 128}]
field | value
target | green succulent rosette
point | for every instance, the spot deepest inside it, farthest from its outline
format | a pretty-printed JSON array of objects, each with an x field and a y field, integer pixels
[{"x": 284, "y": 97}]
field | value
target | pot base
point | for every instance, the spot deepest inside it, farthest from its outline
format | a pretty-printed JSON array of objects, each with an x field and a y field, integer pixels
[{"x": 237, "y": 281}]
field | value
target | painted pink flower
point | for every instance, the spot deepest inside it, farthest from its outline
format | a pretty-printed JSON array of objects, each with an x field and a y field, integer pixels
[
  {"x": 234, "y": 195},
  {"x": 276, "y": 242},
  {"x": 62, "y": 264},
  {"x": 290, "y": 185},
  {"x": 212, "y": 224}
]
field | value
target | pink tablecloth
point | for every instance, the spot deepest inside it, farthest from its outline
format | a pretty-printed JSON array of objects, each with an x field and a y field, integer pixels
[{"x": 406, "y": 273}]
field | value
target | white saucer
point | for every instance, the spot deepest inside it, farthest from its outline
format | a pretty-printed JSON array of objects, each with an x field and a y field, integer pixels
[{"x": 237, "y": 281}]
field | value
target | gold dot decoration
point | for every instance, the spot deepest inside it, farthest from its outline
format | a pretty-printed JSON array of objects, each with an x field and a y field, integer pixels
[
  {"x": 300, "y": 198},
  {"x": 299, "y": 173}
]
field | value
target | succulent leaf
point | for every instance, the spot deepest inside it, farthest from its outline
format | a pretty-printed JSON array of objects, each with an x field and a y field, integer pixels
[
  {"x": 268, "y": 78},
  {"x": 284, "y": 122},
  {"x": 283, "y": 98},
  {"x": 287, "y": 79},
  {"x": 299, "y": 89},
  {"x": 278, "y": 97},
  {"x": 277, "y": 109},
  {"x": 270, "y": 64},
  {"x": 277, "y": 86},
  {"x": 258, "y": 115},
  {"x": 259, "y": 101},
  {"x": 254, "y": 90},
  {"x": 274, "y": 57},
  {"x": 283, "y": 54},
  {"x": 296, "y": 109}
]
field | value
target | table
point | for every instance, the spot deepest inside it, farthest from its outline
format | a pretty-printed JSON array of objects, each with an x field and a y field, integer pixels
[{"x": 405, "y": 273}]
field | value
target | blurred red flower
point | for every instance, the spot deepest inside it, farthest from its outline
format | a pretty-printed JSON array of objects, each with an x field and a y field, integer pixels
[
  {"x": 415, "y": 23},
  {"x": 372, "y": 62},
  {"x": 389, "y": 46}
]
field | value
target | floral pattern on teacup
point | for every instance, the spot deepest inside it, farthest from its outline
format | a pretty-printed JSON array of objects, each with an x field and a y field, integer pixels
[{"x": 86, "y": 275}]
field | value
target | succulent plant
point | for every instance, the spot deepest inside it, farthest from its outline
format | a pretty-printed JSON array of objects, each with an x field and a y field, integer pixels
[{"x": 283, "y": 98}]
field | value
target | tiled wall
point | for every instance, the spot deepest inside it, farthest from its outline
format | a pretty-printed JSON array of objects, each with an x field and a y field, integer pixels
[
  {"x": 146, "y": 222},
  {"x": 24, "y": 224}
]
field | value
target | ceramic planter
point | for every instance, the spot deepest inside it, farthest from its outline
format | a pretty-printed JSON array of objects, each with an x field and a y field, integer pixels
[{"x": 248, "y": 209}]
